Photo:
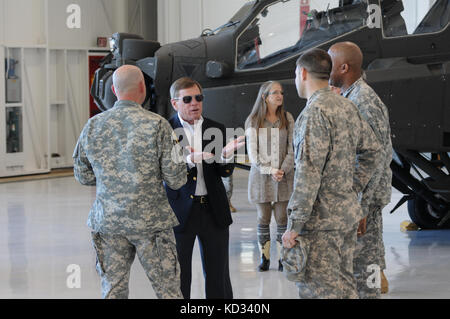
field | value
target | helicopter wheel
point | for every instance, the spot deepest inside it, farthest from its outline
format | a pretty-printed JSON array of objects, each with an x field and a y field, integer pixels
[{"x": 424, "y": 215}]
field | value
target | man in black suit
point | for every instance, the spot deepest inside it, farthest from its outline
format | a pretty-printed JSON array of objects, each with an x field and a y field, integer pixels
[{"x": 202, "y": 205}]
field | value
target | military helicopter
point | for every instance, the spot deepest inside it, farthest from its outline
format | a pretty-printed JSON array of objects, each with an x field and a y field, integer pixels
[{"x": 408, "y": 66}]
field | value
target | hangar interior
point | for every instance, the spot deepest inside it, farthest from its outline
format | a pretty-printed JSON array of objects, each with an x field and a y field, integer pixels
[
  {"x": 45, "y": 62},
  {"x": 46, "y": 65},
  {"x": 45, "y": 57}
]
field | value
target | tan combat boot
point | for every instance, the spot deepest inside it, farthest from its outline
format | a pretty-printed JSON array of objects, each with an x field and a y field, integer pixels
[
  {"x": 384, "y": 284},
  {"x": 232, "y": 209}
]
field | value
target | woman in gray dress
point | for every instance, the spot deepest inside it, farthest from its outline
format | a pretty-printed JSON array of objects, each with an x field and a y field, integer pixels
[{"x": 269, "y": 131}]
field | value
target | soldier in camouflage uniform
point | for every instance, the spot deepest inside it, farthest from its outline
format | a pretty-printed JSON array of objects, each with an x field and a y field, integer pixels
[
  {"x": 324, "y": 208},
  {"x": 347, "y": 75},
  {"x": 128, "y": 152}
]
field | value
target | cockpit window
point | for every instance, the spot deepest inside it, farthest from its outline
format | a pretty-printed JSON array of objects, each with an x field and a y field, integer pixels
[
  {"x": 408, "y": 17},
  {"x": 287, "y": 27}
]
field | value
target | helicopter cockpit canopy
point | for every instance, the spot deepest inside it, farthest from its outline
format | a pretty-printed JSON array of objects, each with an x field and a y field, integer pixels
[{"x": 285, "y": 28}]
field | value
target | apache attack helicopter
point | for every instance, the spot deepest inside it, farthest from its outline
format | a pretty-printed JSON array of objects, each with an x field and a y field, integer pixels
[{"x": 407, "y": 65}]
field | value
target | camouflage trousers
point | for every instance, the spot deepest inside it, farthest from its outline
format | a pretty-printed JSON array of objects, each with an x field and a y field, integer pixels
[
  {"x": 329, "y": 269},
  {"x": 157, "y": 255},
  {"x": 369, "y": 256}
]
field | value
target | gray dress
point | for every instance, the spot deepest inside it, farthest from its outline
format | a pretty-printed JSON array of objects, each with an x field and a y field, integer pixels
[{"x": 272, "y": 150}]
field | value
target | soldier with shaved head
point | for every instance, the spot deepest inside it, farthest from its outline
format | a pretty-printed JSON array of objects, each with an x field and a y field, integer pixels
[
  {"x": 127, "y": 152},
  {"x": 347, "y": 75}
]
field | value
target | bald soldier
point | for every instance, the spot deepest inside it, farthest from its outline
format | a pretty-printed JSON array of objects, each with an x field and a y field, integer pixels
[
  {"x": 323, "y": 209},
  {"x": 128, "y": 152},
  {"x": 347, "y": 76}
]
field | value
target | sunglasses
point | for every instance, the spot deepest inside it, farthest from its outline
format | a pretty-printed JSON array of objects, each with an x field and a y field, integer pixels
[{"x": 188, "y": 98}]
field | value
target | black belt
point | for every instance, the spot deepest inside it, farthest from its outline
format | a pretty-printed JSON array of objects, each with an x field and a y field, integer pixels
[{"x": 201, "y": 199}]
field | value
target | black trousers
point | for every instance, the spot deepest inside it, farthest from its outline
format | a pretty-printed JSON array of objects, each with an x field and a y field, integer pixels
[{"x": 213, "y": 242}]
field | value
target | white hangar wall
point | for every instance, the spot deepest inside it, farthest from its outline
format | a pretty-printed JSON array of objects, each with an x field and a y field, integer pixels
[
  {"x": 43, "y": 110},
  {"x": 186, "y": 19}
]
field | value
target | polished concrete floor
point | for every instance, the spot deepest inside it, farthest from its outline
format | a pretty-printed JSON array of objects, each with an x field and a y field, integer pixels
[{"x": 43, "y": 232}]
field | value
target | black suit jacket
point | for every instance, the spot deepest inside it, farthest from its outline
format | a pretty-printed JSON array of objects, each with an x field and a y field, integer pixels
[{"x": 181, "y": 200}]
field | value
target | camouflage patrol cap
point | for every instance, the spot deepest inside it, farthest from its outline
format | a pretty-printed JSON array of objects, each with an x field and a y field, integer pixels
[{"x": 294, "y": 259}]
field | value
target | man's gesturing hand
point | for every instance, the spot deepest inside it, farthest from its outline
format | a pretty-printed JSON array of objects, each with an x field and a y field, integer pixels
[
  {"x": 234, "y": 145},
  {"x": 198, "y": 157}
]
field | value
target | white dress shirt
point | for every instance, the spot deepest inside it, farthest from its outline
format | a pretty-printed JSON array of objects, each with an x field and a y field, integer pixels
[{"x": 194, "y": 136}]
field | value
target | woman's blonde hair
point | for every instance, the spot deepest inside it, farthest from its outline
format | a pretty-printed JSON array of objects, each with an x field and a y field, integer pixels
[{"x": 259, "y": 111}]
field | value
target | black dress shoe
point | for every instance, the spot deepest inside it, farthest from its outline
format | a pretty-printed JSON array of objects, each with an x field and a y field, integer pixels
[
  {"x": 265, "y": 263},
  {"x": 280, "y": 265}
]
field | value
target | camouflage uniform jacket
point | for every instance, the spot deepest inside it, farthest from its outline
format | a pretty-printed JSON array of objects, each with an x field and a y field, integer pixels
[
  {"x": 329, "y": 133},
  {"x": 373, "y": 110},
  {"x": 127, "y": 152}
]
